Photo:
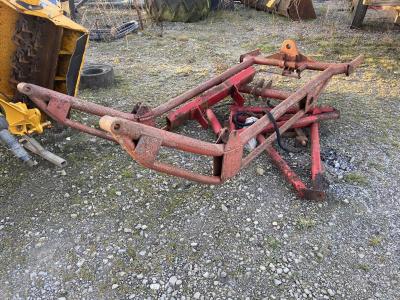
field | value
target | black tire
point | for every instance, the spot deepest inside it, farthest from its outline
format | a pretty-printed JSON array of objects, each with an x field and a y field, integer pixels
[
  {"x": 222, "y": 4},
  {"x": 178, "y": 10},
  {"x": 96, "y": 76},
  {"x": 108, "y": 34},
  {"x": 358, "y": 13}
]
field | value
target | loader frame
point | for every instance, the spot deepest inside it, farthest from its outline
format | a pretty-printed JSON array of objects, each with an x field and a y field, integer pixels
[{"x": 137, "y": 134}]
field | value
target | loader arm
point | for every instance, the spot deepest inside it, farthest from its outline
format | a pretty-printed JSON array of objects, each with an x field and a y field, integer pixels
[{"x": 138, "y": 136}]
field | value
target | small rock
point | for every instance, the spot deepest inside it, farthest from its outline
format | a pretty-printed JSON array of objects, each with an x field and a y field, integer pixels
[
  {"x": 118, "y": 193},
  {"x": 155, "y": 286},
  {"x": 182, "y": 38},
  {"x": 172, "y": 281},
  {"x": 206, "y": 275},
  {"x": 277, "y": 282},
  {"x": 272, "y": 267},
  {"x": 330, "y": 292},
  {"x": 224, "y": 208},
  {"x": 196, "y": 295},
  {"x": 260, "y": 171},
  {"x": 80, "y": 262},
  {"x": 114, "y": 286},
  {"x": 74, "y": 216}
]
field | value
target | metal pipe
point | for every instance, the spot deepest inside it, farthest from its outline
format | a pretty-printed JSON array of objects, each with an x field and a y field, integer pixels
[
  {"x": 261, "y": 147},
  {"x": 135, "y": 130},
  {"x": 174, "y": 102},
  {"x": 310, "y": 65},
  {"x": 279, "y": 110},
  {"x": 281, "y": 164},
  {"x": 316, "y": 167},
  {"x": 32, "y": 145},
  {"x": 214, "y": 122},
  {"x": 306, "y": 121},
  {"x": 12, "y": 144},
  {"x": 40, "y": 95},
  {"x": 265, "y": 93}
]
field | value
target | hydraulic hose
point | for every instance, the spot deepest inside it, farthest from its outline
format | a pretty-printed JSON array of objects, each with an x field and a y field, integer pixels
[{"x": 12, "y": 144}]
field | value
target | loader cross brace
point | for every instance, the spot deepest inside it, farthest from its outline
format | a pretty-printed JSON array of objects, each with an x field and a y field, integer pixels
[{"x": 137, "y": 134}]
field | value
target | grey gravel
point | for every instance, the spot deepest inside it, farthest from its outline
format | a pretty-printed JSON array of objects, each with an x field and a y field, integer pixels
[{"x": 126, "y": 232}]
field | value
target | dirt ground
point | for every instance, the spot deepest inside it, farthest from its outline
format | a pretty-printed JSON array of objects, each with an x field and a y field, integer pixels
[{"x": 107, "y": 228}]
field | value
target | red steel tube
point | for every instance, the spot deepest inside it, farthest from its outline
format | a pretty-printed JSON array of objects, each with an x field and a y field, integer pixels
[
  {"x": 76, "y": 125},
  {"x": 316, "y": 166},
  {"x": 265, "y": 93},
  {"x": 306, "y": 121},
  {"x": 174, "y": 102},
  {"x": 310, "y": 65},
  {"x": 130, "y": 147},
  {"x": 169, "y": 139},
  {"x": 260, "y": 148},
  {"x": 171, "y": 170},
  {"x": 281, "y": 164},
  {"x": 279, "y": 110},
  {"x": 194, "y": 109},
  {"x": 89, "y": 130},
  {"x": 41, "y": 95},
  {"x": 303, "y": 122},
  {"x": 215, "y": 124}
]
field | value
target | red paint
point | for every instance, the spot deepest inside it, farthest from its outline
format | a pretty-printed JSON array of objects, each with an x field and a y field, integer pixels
[{"x": 137, "y": 134}]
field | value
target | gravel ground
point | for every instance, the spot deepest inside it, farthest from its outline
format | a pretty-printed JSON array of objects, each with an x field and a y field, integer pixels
[{"x": 106, "y": 228}]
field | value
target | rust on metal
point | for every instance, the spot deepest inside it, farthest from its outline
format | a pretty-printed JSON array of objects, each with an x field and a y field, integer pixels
[
  {"x": 260, "y": 125},
  {"x": 293, "y": 9}
]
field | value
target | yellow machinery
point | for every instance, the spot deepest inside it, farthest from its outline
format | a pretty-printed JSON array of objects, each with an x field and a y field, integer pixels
[
  {"x": 359, "y": 9},
  {"x": 38, "y": 44},
  {"x": 293, "y": 9}
]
